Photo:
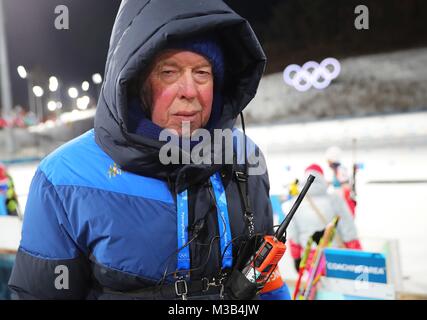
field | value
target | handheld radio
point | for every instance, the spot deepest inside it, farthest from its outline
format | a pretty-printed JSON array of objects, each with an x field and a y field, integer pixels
[{"x": 272, "y": 247}]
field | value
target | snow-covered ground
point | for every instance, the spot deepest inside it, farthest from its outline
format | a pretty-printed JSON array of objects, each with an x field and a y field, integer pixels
[
  {"x": 392, "y": 149},
  {"x": 386, "y": 211},
  {"x": 368, "y": 84},
  {"x": 392, "y": 186}
]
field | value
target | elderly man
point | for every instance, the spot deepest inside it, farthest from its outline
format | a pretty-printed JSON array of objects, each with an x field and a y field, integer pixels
[{"x": 105, "y": 217}]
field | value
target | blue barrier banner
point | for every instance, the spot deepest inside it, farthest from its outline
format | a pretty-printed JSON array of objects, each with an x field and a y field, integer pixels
[
  {"x": 277, "y": 208},
  {"x": 355, "y": 265},
  {"x": 3, "y": 209}
]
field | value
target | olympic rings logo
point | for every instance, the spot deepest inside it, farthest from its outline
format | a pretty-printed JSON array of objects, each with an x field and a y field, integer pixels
[{"x": 312, "y": 74}]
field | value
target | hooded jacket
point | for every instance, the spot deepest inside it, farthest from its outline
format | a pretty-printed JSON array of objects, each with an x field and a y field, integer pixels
[{"x": 104, "y": 206}]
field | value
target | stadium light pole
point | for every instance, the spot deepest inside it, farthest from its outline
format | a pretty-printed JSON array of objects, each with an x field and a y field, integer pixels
[
  {"x": 39, "y": 92},
  {"x": 24, "y": 74},
  {"x": 54, "y": 94},
  {"x": 6, "y": 94},
  {"x": 97, "y": 80}
]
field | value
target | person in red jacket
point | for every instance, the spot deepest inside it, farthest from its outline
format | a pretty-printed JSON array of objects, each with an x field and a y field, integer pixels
[
  {"x": 9, "y": 202},
  {"x": 340, "y": 178},
  {"x": 317, "y": 210}
]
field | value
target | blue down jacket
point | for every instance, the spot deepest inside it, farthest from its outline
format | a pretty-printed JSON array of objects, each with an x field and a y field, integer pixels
[{"x": 104, "y": 206}]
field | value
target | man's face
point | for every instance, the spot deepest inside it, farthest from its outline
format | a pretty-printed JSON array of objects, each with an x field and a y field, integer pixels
[{"x": 181, "y": 90}]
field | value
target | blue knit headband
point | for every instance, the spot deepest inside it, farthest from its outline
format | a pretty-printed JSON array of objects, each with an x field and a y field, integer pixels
[{"x": 208, "y": 47}]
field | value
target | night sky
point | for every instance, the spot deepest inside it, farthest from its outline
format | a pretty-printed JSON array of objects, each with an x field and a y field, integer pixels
[
  {"x": 71, "y": 55},
  {"x": 291, "y": 31}
]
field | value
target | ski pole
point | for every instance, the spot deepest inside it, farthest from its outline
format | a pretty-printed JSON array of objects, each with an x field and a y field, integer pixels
[
  {"x": 324, "y": 242},
  {"x": 302, "y": 266}
]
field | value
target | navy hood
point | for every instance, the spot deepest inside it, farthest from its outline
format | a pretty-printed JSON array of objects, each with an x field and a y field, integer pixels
[{"x": 141, "y": 30}]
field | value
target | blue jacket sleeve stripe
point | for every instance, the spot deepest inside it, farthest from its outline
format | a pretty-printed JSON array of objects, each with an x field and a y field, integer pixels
[
  {"x": 46, "y": 231},
  {"x": 82, "y": 163}
]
